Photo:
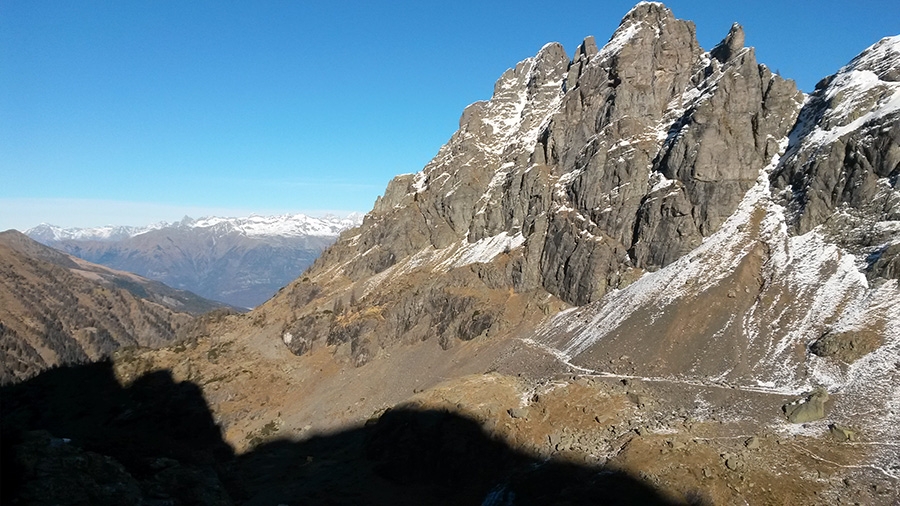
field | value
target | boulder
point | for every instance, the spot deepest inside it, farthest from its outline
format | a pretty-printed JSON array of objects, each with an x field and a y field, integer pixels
[
  {"x": 808, "y": 408},
  {"x": 517, "y": 412},
  {"x": 842, "y": 433},
  {"x": 846, "y": 346}
]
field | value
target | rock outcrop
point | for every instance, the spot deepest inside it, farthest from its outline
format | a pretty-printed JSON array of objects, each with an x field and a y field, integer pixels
[{"x": 807, "y": 409}]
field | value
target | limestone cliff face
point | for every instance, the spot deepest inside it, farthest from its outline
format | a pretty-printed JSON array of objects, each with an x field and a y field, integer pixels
[{"x": 576, "y": 178}]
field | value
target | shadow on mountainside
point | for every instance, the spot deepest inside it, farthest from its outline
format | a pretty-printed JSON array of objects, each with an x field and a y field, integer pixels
[{"x": 74, "y": 435}]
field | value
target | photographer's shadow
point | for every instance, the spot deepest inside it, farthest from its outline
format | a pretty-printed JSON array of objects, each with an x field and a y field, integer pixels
[{"x": 73, "y": 435}]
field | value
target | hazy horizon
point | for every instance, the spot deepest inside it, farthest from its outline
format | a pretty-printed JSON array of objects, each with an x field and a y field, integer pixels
[{"x": 128, "y": 213}]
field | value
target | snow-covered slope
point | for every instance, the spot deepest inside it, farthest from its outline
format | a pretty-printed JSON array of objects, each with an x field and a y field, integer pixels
[
  {"x": 47, "y": 233},
  {"x": 287, "y": 225}
]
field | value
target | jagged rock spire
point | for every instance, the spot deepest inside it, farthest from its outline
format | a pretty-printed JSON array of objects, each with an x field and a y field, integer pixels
[{"x": 730, "y": 45}]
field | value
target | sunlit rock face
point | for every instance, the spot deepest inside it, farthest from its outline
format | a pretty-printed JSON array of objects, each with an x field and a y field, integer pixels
[
  {"x": 709, "y": 221},
  {"x": 577, "y": 176}
]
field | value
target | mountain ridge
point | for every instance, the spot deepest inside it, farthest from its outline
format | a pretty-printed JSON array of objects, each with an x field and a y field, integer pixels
[
  {"x": 57, "y": 309},
  {"x": 275, "y": 225},
  {"x": 590, "y": 220},
  {"x": 644, "y": 212}
]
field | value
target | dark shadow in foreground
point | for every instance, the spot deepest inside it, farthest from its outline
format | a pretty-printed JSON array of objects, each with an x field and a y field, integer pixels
[{"x": 75, "y": 436}]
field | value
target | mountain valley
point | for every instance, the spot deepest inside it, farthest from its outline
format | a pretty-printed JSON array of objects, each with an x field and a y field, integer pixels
[
  {"x": 56, "y": 309},
  {"x": 645, "y": 274},
  {"x": 239, "y": 261}
]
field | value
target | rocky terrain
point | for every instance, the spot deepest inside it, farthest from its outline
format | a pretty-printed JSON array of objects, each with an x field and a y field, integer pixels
[
  {"x": 56, "y": 309},
  {"x": 648, "y": 273},
  {"x": 239, "y": 261}
]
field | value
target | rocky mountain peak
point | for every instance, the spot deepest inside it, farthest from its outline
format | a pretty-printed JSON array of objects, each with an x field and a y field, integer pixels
[
  {"x": 649, "y": 45},
  {"x": 576, "y": 177},
  {"x": 863, "y": 90},
  {"x": 652, "y": 12},
  {"x": 583, "y": 177},
  {"x": 646, "y": 22},
  {"x": 587, "y": 49},
  {"x": 730, "y": 45},
  {"x": 882, "y": 59}
]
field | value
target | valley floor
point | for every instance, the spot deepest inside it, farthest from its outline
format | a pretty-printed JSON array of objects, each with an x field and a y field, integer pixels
[{"x": 687, "y": 441}]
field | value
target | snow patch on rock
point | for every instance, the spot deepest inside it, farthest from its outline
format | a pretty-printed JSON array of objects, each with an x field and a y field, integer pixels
[{"x": 483, "y": 251}]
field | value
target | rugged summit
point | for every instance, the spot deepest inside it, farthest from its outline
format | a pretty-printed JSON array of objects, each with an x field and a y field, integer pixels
[
  {"x": 717, "y": 227},
  {"x": 843, "y": 162},
  {"x": 574, "y": 179}
]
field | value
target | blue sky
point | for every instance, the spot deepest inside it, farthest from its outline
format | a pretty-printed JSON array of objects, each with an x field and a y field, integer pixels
[{"x": 132, "y": 112}]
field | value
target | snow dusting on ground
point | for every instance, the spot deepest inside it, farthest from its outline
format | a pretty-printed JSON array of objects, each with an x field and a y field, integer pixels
[{"x": 812, "y": 282}]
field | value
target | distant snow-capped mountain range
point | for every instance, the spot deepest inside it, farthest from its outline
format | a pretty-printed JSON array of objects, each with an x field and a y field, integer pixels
[
  {"x": 240, "y": 261},
  {"x": 285, "y": 225}
]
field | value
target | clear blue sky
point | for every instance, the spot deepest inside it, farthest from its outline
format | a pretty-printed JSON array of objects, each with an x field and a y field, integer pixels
[{"x": 132, "y": 112}]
